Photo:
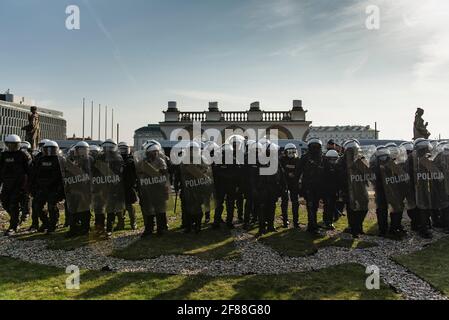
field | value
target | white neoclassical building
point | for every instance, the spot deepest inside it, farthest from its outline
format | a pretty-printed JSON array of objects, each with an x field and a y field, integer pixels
[{"x": 290, "y": 123}]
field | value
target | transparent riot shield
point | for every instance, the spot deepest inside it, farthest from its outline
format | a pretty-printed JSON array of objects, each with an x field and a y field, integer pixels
[
  {"x": 98, "y": 198},
  {"x": 108, "y": 192},
  {"x": 360, "y": 179},
  {"x": 429, "y": 182},
  {"x": 153, "y": 183},
  {"x": 440, "y": 186},
  {"x": 198, "y": 187},
  {"x": 396, "y": 183},
  {"x": 76, "y": 173},
  {"x": 441, "y": 160}
]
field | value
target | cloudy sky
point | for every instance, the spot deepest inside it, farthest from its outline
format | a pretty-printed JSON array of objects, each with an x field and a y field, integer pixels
[{"x": 136, "y": 55}]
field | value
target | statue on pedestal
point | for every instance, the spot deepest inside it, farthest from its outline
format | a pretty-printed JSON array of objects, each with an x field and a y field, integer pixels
[
  {"x": 420, "y": 127},
  {"x": 32, "y": 129}
]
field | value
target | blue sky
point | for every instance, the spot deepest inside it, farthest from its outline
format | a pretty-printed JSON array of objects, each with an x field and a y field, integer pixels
[{"x": 136, "y": 55}]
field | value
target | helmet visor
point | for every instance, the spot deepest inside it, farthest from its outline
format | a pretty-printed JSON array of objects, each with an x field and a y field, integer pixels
[{"x": 13, "y": 146}]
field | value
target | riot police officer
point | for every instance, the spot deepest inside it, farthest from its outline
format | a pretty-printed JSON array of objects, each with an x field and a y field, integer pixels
[
  {"x": 98, "y": 198},
  {"x": 356, "y": 179},
  {"x": 76, "y": 168},
  {"x": 130, "y": 185},
  {"x": 331, "y": 187},
  {"x": 422, "y": 176},
  {"x": 411, "y": 201},
  {"x": 109, "y": 165},
  {"x": 312, "y": 173},
  {"x": 226, "y": 188},
  {"x": 290, "y": 169},
  {"x": 250, "y": 173},
  {"x": 392, "y": 184},
  {"x": 235, "y": 170},
  {"x": 47, "y": 186},
  {"x": 14, "y": 172},
  {"x": 153, "y": 188},
  {"x": 25, "y": 202},
  {"x": 269, "y": 185},
  {"x": 194, "y": 177},
  {"x": 38, "y": 152},
  {"x": 382, "y": 157}
]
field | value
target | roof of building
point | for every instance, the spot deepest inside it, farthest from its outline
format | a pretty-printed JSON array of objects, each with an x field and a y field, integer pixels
[
  {"x": 25, "y": 107},
  {"x": 340, "y": 128},
  {"x": 153, "y": 128}
]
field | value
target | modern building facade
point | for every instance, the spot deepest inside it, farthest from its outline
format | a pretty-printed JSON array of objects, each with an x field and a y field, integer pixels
[
  {"x": 341, "y": 133},
  {"x": 290, "y": 124},
  {"x": 14, "y": 116}
]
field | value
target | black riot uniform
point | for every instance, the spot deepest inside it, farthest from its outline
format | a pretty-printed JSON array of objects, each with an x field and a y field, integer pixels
[
  {"x": 250, "y": 173},
  {"x": 312, "y": 173},
  {"x": 331, "y": 190},
  {"x": 290, "y": 170},
  {"x": 14, "y": 173},
  {"x": 34, "y": 215},
  {"x": 97, "y": 198},
  {"x": 440, "y": 217},
  {"x": 130, "y": 186},
  {"x": 442, "y": 161},
  {"x": 381, "y": 200},
  {"x": 269, "y": 186},
  {"x": 47, "y": 190},
  {"x": 25, "y": 201},
  {"x": 412, "y": 210},
  {"x": 227, "y": 190}
]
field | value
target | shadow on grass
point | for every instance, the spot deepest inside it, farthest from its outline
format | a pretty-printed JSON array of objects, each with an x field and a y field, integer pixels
[
  {"x": 58, "y": 240},
  {"x": 208, "y": 244},
  {"x": 125, "y": 285},
  {"x": 294, "y": 243},
  {"x": 342, "y": 282},
  {"x": 21, "y": 280}
]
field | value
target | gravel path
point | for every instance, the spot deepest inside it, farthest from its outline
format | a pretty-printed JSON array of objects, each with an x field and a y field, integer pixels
[{"x": 256, "y": 258}]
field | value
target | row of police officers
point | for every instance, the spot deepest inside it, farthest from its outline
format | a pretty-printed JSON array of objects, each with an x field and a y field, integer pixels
[{"x": 107, "y": 181}]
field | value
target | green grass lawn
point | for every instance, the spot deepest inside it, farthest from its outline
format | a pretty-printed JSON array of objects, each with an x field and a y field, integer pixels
[
  {"x": 431, "y": 264},
  {"x": 341, "y": 282}
]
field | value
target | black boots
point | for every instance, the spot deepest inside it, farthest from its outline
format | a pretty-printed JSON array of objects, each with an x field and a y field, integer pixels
[{"x": 160, "y": 221}]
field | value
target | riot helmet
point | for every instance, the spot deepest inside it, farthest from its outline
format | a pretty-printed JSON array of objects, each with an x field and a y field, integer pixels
[
  {"x": 12, "y": 142},
  {"x": 50, "y": 148}
]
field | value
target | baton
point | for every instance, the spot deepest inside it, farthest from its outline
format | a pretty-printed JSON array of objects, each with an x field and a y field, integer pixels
[{"x": 176, "y": 201}]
